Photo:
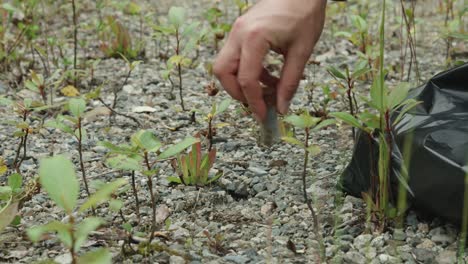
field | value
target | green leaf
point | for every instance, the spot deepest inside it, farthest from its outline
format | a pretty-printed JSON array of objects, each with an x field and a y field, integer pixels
[
  {"x": 8, "y": 214},
  {"x": 398, "y": 95},
  {"x": 407, "y": 106},
  {"x": 216, "y": 177},
  {"x": 293, "y": 141},
  {"x": 99, "y": 256},
  {"x": 77, "y": 107},
  {"x": 5, "y": 101},
  {"x": 323, "y": 124},
  {"x": 360, "y": 72},
  {"x": 223, "y": 106},
  {"x": 102, "y": 195},
  {"x": 177, "y": 148},
  {"x": 35, "y": 233},
  {"x": 115, "y": 205},
  {"x": 59, "y": 125},
  {"x": 378, "y": 94},
  {"x": 302, "y": 121},
  {"x": 174, "y": 179},
  {"x": 122, "y": 162},
  {"x": 347, "y": 118},
  {"x": 146, "y": 140},
  {"x": 127, "y": 227},
  {"x": 57, "y": 176},
  {"x": 5, "y": 193},
  {"x": 313, "y": 150},
  {"x": 177, "y": 16},
  {"x": 337, "y": 73},
  {"x": 15, "y": 181},
  {"x": 84, "y": 228}
]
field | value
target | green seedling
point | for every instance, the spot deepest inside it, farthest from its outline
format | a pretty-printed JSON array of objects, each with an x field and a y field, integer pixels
[
  {"x": 359, "y": 37},
  {"x": 77, "y": 108},
  {"x": 242, "y": 6},
  {"x": 216, "y": 110},
  {"x": 186, "y": 37},
  {"x": 136, "y": 157},
  {"x": 10, "y": 198},
  {"x": 309, "y": 124},
  {"x": 117, "y": 41},
  {"x": 57, "y": 176},
  {"x": 346, "y": 80},
  {"x": 378, "y": 125},
  {"x": 218, "y": 30},
  {"x": 194, "y": 168},
  {"x": 321, "y": 107}
]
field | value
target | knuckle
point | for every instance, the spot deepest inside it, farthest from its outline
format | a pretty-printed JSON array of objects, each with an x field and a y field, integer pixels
[
  {"x": 238, "y": 24},
  {"x": 245, "y": 81}
]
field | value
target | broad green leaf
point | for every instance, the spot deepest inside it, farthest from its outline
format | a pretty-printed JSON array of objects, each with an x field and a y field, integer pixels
[
  {"x": 347, "y": 118},
  {"x": 323, "y": 124},
  {"x": 8, "y": 214},
  {"x": 77, "y": 107},
  {"x": 31, "y": 86},
  {"x": 59, "y": 125},
  {"x": 15, "y": 181},
  {"x": 84, "y": 228},
  {"x": 337, "y": 73},
  {"x": 360, "y": 72},
  {"x": 177, "y": 148},
  {"x": 5, "y": 193},
  {"x": 407, "y": 106},
  {"x": 99, "y": 256},
  {"x": 146, "y": 140},
  {"x": 293, "y": 141},
  {"x": 174, "y": 179},
  {"x": 223, "y": 106},
  {"x": 398, "y": 95},
  {"x": 102, "y": 195},
  {"x": 5, "y": 101},
  {"x": 127, "y": 227},
  {"x": 57, "y": 176},
  {"x": 35, "y": 233},
  {"x": 302, "y": 121},
  {"x": 343, "y": 34},
  {"x": 115, "y": 205},
  {"x": 313, "y": 150},
  {"x": 123, "y": 162},
  {"x": 177, "y": 16},
  {"x": 378, "y": 94}
]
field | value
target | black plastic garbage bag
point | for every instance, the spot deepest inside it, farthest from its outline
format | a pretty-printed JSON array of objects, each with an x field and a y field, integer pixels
[{"x": 439, "y": 151}]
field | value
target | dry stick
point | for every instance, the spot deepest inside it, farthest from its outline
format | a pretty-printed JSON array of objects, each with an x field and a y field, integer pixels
[
  {"x": 306, "y": 197},
  {"x": 80, "y": 152},
  {"x": 120, "y": 114},
  {"x": 75, "y": 42},
  {"x": 179, "y": 70},
  {"x": 135, "y": 194},
  {"x": 153, "y": 200}
]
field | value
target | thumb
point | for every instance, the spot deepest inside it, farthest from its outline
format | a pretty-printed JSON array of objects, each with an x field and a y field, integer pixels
[{"x": 291, "y": 75}]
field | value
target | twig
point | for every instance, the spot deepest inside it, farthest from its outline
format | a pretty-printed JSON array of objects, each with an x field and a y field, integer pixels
[
  {"x": 120, "y": 114},
  {"x": 75, "y": 42}
]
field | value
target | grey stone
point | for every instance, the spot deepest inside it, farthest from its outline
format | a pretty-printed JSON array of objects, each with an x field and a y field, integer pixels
[
  {"x": 446, "y": 257},
  {"x": 238, "y": 259},
  {"x": 176, "y": 260},
  {"x": 258, "y": 171},
  {"x": 399, "y": 234},
  {"x": 378, "y": 242},
  {"x": 424, "y": 255},
  {"x": 362, "y": 241},
  {"x": 353, "y": 257},
  {"x": 384, "y": 259}
]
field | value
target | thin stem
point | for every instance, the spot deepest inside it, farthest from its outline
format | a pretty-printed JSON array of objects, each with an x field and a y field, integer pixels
[
  {"x": 75, "y": 42},
  {"x": 80, "y": 152},
  {"x": 73, "y": 239},
  {"x": 210, "y": 133},
  {"x": 135, "y": 194},
  {"x": 118, "y": 113},
  {"x": 179, "y": 70},
  {"x": 153, "y": 199},
  {"x": 306, "y": 197}
]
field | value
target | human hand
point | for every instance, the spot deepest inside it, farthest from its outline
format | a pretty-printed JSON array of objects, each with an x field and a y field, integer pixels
[{"x": 288, "y": 27}]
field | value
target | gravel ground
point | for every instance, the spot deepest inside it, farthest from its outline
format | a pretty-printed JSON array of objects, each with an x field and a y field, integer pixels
[{"x": 256, "y": 210}]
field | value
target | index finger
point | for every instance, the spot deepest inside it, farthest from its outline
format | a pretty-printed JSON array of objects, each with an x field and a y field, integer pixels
[{"x": 253, "y": 51}]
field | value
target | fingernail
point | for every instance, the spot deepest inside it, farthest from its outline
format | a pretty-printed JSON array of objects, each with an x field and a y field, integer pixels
[{"x": 283, "y": 106}]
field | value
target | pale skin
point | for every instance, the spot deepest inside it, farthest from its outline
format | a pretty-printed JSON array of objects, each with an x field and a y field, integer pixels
[{"x": 288, "y": 27}]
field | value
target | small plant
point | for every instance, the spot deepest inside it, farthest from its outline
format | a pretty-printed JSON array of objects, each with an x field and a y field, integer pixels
[
  {"x": 378, "y": 126},
  {"x": 186, "y": 38},
  {"x": 117, "y": 41},
  {"x": 136, "y": 157},
  {"x": 218, "y": 30},
  {"x": 346, "y": 80},
  {"x": 216, "y": 110},
  {"x": 57, "y": 176},
  {"x": 77, "y": 108},
  {"x": 194, "y": 168},
  {"x": 10, "y": 197},
  {"x": 309, "y": 124}
]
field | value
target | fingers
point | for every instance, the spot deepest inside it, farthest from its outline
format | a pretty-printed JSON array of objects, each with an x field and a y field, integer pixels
[
  {"x": 291, "y": 75},
  {"x": 253, "y": 51},
  {"x": 225, "y": 69}
]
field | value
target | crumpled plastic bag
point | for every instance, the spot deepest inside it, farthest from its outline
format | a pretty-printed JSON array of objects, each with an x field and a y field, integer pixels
[{"x": 439, "y": 149}]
